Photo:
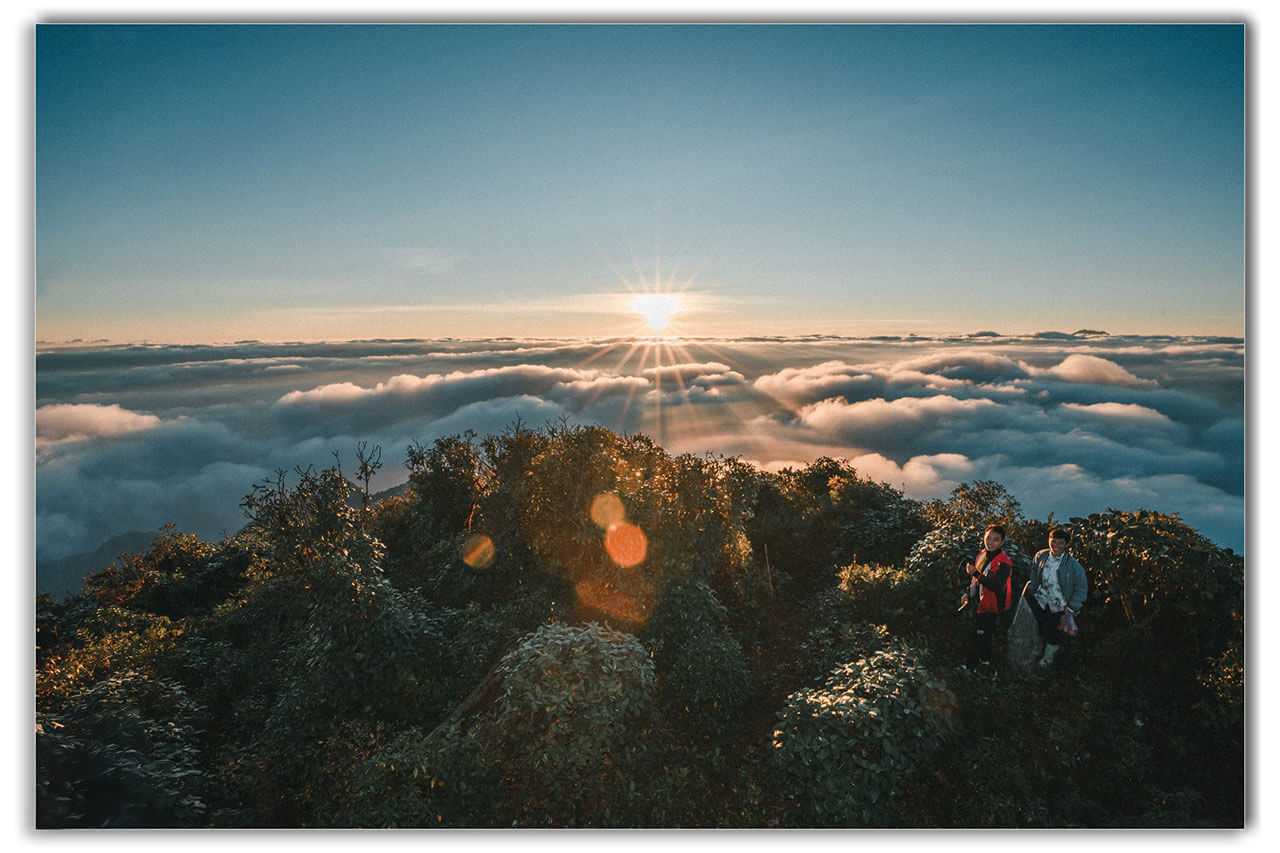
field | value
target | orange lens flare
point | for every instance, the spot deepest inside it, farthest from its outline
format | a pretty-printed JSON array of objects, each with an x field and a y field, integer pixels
[
  {"x": 478, "y": 551},
  {"x": 627, "y": 545},
  {"x": 611, "y": 601},
  {"x": 607, "y": 510}
]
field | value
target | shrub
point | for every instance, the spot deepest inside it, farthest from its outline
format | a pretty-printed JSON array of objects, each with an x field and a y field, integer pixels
[
  {"x": 844, "y": 751},
  {"x": 359, "y": 654},
  {"x": 809, "y": 519},
  {"x": 838, "y": 635},
  {"x": 121, "y": 753},
  {"x": 978, "y": 504},
  {"x": 1150, "y": 568},
  {"x": 569, "y": 700},
  {"x": 411, "y": 779},
  {"x": 313, "y": 521},
  {"x": 704, "y": 679}
]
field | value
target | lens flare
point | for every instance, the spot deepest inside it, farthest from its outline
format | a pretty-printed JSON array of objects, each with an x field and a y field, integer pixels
[
  {"x": 478, "y": 551},
  {"x": 605, "y": 599},
  {"x": 607, "y": 510},
  {"x": 627, "y": 545}
]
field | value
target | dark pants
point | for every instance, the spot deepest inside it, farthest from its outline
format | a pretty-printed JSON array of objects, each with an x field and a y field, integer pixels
[
  {"x": 984, "y": 630},
  {"x": 1046, "y": 620}
]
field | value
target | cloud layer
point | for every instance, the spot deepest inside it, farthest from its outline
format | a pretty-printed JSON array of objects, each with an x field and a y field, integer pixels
[{"x": 134, "y": 437}]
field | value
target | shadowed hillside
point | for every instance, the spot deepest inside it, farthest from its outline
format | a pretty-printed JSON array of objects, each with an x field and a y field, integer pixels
[{"x": 572, "y": 627}]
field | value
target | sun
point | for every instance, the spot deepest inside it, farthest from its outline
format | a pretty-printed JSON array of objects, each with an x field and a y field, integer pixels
[{"x": 657, "y": 309}]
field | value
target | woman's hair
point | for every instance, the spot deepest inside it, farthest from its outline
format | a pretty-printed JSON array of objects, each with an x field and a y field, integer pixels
[
  {"x": 1060, "y": 533},
  {"x": 998, "y": 528}
]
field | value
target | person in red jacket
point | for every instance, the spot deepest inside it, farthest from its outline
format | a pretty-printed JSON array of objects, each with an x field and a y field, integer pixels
[{"x": 991, "y": 581}]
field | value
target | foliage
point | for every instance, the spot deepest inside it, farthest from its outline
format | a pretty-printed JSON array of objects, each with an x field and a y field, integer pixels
[
  {"x": 121, "y": 753},
  {"x": 937, "y": 560},
  {"x": 824, "y": 514},
  {"x": 311, "y": 521},
  {"x": 108, "y": 640},
  {"x": 703, "y": 676},
  {"x": 365, "y": 655},
  {"x": 412, "y": 779},
  {"x": 1151, "y": 568},
  {"x": 472, "y": 653},
  {"x": 570, "y": 696},
  {"x": 843, "y": 751},
  {"x": 978, "y": 504}
]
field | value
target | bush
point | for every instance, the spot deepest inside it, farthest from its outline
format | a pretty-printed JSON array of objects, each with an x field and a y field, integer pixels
[
  {"x": 1149, "y": 568},
  {"x": 570, "y": 699},
  {"x": 825, "y": 514},
  {"x": 704, "y": 679},
  {"x": 122, "y": 753},
  {"x": 844, "y": 751},
  {"x": 978, "y": 504},
  {"x": 414, "y": 780}
]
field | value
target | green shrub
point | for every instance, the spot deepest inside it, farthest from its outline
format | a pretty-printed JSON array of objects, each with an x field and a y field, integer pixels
[
  {"x": 414, "y": 780},
  {"x": 978, "y": 504},
  {"x": 122, "y": 753},
  {"x": 826, "y": 514},
  {"x": 1152, "y": 569},
  {"x": 570, "y": 700},
  {"x": 704, "y": 679},
  {"x": 840, "y": 633},
  {"x": 844, "y": 751}
]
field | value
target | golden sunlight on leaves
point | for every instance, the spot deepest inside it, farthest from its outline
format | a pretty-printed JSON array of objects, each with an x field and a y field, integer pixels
[{"x": 478, "y": 551}]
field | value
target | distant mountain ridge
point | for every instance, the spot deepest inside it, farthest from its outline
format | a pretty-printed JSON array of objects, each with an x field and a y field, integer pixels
[{"x": 64, "y": 576}]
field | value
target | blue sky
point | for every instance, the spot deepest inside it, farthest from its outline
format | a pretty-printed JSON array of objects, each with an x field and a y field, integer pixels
[{"x": 198, "y": 183}]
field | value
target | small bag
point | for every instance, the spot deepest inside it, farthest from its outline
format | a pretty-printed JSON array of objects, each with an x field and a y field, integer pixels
[
  {"x": 1067, "y": 624},
  {"x": 1022, "y": 650}
]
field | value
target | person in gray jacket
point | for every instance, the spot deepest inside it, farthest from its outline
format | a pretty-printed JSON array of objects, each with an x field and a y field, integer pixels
[{"x": 1057, "y": 584}]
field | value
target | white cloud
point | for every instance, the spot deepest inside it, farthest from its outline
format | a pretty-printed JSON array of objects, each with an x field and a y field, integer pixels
[
  {"x": 799, "y": 385},
  {"x": 880, "y": 415},
  {"x": 1094, "y": 370},
  {"x": 1121, "y": 411},
  {"x": 77, "y": 421}
]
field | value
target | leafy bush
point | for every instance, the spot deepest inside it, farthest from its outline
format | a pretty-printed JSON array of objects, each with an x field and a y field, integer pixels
[
  {"x": 978, "y": 504},
  {"x": 411, "y": 779},
  {"x": 121, "y": 753},
  {"x": 837, "y": 635},
  {"x": 825, "y": 514},
  {"x": 108, "y": 640},
  {"x": 704, "y": 679},
  {"x": 569, "y": 699},
  {"x": 844, "y": 751},
  {"x": 1151, "y": 568},
  {"x": 365, "y": 654}
]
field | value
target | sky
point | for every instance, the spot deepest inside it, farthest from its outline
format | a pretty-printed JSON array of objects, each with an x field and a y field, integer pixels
[{"x": 216, "y": 183}]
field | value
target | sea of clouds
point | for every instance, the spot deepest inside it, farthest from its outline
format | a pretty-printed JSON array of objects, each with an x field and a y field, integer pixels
[{"x": 134, "y": 437}]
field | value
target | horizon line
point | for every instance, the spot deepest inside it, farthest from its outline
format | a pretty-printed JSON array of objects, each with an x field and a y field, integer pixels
[{"x": 1045, "y": 334}]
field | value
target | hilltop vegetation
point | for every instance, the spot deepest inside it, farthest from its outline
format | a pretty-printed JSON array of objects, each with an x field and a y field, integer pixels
[{"x": 571, "y": 627}]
